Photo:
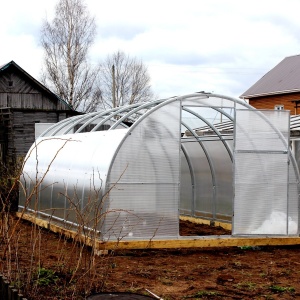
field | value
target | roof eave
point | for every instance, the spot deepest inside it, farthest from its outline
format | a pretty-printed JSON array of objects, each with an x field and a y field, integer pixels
[
  {"x": 43, "y": 87},
  {"x": 270, "y": 94}
]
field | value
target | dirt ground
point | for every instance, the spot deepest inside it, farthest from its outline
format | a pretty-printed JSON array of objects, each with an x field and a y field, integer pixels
[{"x": 215, "y": 273}]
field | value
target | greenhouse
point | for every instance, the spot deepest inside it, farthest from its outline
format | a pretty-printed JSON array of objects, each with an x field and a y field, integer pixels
[{"x": 130, "y": 172}]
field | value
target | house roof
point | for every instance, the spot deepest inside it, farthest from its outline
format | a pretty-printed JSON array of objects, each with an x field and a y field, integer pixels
[
  {"x": 283, "y": 78},
  {"x": 34, "y": 81}
]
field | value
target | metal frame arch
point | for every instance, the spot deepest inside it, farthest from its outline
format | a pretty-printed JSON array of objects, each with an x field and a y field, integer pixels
[
  {"x": 88, "y": 122},
  {"x": 214, "y": 129},
  {"x": 77, "y": 121},
  {"x": 160, "y": 103},
  {"x": 135, "y": 110},
  {"x": 139, "y": 106},
  {"x": 113, "y": 114},
  {"x": 59, "y": 125},
  {"x": 93, "y": 115}
]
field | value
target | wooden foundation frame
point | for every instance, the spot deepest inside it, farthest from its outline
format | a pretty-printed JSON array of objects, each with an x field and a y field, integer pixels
[{"x": 181, "y": 242}]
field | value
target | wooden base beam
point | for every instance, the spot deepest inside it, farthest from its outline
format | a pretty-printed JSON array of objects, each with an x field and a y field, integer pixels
[
  {"x": 207, "y": 222},
  {"x": 180, "y": 242}
]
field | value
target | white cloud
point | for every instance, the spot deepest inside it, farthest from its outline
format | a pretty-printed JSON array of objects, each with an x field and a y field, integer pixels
[{"x": 211, "y": 45}]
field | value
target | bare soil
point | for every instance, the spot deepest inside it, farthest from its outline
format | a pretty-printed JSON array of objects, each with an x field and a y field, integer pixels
[{"x": 206, "y": 273}]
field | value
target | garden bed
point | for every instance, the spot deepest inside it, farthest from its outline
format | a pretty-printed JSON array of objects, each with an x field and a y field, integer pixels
[{"x": 49, "y": 266}]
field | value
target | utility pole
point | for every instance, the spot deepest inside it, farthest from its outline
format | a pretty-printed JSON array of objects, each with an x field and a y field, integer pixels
[{"x": 113, "y": 86}]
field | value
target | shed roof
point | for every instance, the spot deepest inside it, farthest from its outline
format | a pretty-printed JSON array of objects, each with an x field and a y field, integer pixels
[
  {"x": 283, "y": 78},
  {"x": 12, "y": 64}
]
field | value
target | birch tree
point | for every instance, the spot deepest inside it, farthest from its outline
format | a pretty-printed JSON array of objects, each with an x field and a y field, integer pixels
[
  {"x": 66, "y": 41},
  {"x": 123, "y": 80}
]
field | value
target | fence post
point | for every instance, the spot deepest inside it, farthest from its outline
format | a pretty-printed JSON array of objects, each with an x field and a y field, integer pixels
[{"x": 8, "y": 292}]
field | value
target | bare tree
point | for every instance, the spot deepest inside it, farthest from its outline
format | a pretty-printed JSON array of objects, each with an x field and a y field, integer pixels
[
  {"x": 66, "y": 41},
  {"x": 123, "y": 80}
]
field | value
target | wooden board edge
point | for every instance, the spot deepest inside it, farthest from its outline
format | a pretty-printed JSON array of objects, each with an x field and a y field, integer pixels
[
  {"x": 207, "y": 222},
  {"x": 182, "y": 242}
]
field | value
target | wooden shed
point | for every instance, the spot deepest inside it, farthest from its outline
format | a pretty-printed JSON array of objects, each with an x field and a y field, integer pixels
[{"x": 24, "y": 101}]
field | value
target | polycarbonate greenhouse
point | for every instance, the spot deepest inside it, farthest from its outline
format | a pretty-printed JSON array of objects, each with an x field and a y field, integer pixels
[{"x": 130, "y": 172}]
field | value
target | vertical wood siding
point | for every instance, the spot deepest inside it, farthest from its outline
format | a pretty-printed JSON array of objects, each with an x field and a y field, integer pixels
[{"x": 18, "y": 91}]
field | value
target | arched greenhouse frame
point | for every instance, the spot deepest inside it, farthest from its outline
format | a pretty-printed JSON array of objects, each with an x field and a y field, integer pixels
[{"x": 131, "y": 172}]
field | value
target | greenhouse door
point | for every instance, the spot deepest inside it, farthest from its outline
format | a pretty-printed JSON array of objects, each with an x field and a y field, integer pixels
[{"x": 261, "y": 174}]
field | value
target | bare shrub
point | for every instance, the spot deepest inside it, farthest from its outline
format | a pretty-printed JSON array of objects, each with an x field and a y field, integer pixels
[{"x": 76, "y": 269}]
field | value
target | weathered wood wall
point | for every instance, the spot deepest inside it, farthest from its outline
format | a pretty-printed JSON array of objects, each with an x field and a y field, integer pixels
[
  {"x": 17, "y": 130},
  {"x": 23, "y": 102},
  {"x": 28, "y": 102},
  {"x": 23, "y": 127},
  {"x": 17, "y": 92}
]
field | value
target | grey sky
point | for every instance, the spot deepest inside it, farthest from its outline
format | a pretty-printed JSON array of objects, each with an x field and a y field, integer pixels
[{"x": 188, "y": 46}]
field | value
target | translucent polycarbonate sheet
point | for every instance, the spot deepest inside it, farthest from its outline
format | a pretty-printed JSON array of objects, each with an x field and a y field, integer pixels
[
  {"x": 260, "y": 193},
  {"x": 294, "y": 181},
  {"x": 142, "y": 211},
  {"x": 296, "y": 150},
  {"x": 223, "y": 174},
  {"x": 262, "y": 130},
  {"x": 72, "y": 171},
  {"x": 147, "y": 168},
  {"x": 293, "y": 196},
  {"x": 186, "y": 187},
  {"x": 207, "y": 115},
  {"x": 203, "y": 185},
  {"x": 261, "y": 175},
  {"x": 211, "y": 168},
  {"x": 213, "y": 101}
]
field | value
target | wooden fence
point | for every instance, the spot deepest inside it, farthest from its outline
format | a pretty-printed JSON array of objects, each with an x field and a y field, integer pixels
[{"x": 8, "y": 292}]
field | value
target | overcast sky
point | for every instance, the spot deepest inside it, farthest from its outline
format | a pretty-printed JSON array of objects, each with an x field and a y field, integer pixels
[{"x": 220, "y": 46}]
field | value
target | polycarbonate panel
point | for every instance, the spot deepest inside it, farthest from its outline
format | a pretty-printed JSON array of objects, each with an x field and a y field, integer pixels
[
  {"x": 207, "y": 115},
  {"x": 74, "y": 168},
  {"x": 293, "y": 197},
  {"x": 213, "y": 192},
  {"x": 148, "y": 164},
  {"x": 142, "y": 211},
  {"x": 256, "y": 130},
  {"x": 281, "y": 119},
  {"x": 213, "y": 101},
  {"x": 261, "y": 203},
  {"x": 223, "y": 174},
  {"x": 186, "y": 187},
  {"x": 203, "y": 186},
  {"x": 260, "y": 193},
  {"x": 296, "y": 150}
]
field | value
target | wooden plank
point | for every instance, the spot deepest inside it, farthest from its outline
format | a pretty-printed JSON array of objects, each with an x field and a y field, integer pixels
[
  {"x": 207, "y": 222},
  {"x": 181, "y": 242}
]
